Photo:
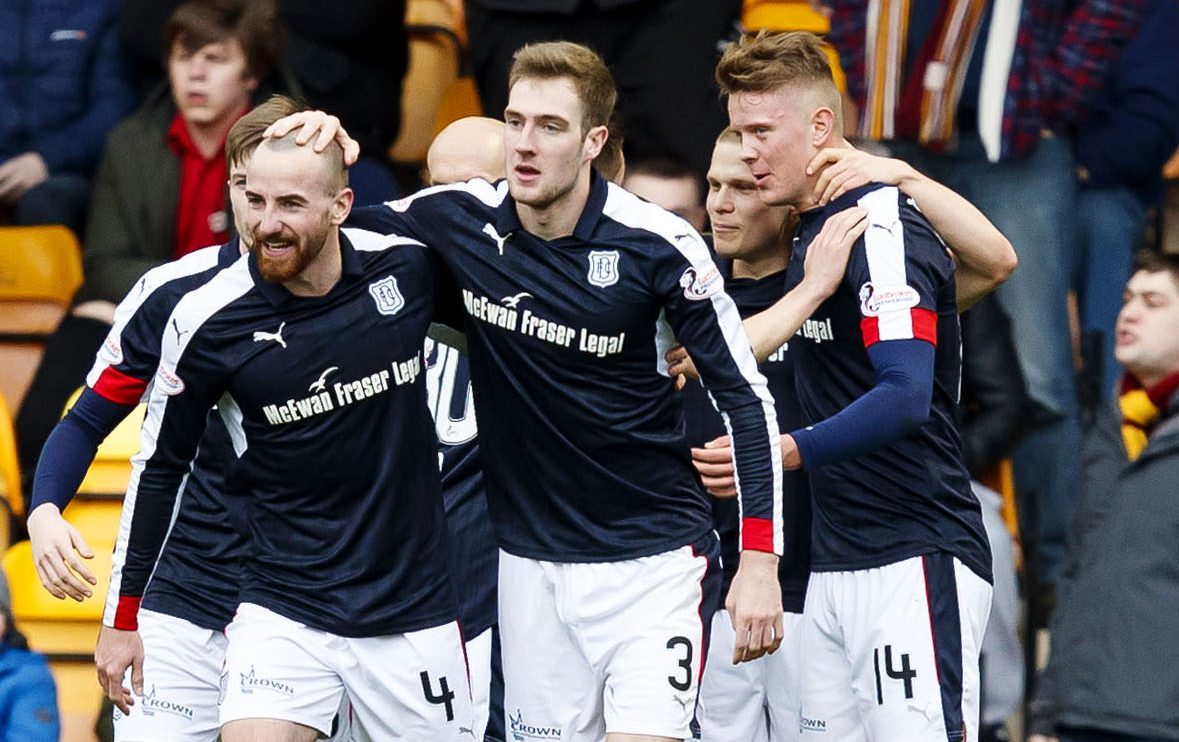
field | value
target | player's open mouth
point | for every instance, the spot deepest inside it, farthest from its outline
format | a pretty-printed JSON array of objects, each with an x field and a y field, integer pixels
[
  {"x": 277, "y": 249},
  {"x": 759, "y": 179},
  {"x": 526, "y": 173},
  {"x": 1124, "y": 338}
]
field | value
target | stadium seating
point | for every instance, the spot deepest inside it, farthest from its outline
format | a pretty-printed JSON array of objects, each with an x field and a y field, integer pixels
[
  {"x": 64, "y": 631},
  {"x": 791, "y": 15},
  {"x": 108, "y": 475},
  {"x": 40, "y": 269},
  {"x": 782, "y": 15},
  {"x": 10, "y": 489},
  {"x": 435, "y": 32}
]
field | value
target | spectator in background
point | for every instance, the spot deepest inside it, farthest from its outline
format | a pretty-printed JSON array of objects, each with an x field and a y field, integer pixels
[
  {"x": 670, "y": 184},
  {"x": 28, "y": 698},
  {"x": 1121, "y": 150},
  {"x": 1111, "y": 675},
  {"x": 63, "y": 86},
  {"x": 982, "y": 95},
  {"x": 993, "y": 409},
  {"x": 160, "y": 191},
  {"x": 346, "y": 58},
  {"x": 661, "y": 52}
]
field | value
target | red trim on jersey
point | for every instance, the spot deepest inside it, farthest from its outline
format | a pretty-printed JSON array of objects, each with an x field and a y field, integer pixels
[
  {"x": 923, "y": 326},
  {"x": 757, "y": 534},
  {"x": 116, "y": 386},
  {"x": 870, "y": 329},
  {"x": 127, "y": 614}
]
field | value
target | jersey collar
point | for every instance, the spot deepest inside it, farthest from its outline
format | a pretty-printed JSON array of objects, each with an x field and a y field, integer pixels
[
  {"x": 846, "y": 201},
  {"x": 507, "y": 220}
]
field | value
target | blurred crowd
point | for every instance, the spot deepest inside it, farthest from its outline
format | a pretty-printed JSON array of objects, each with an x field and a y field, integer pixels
[{"x": 1055, "y": 117}]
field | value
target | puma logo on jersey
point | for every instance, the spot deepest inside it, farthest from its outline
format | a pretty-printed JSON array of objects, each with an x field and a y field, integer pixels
[
  {"x": 276, "y": 336},
  {"x": 499, "y": 241},
  {"x": 321, "y": 383},
  {"x": 181, "y": 333},
  {"x": 514, "y": 301}
]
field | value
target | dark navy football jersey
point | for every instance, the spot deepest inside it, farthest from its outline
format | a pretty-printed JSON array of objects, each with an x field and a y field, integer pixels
[
  {"x": 704, "y": 424},
  {"x": 473, "y": 555},
  {"x": 912, "y": 496},
  {"x": 580, "y": 429},
  {"x": 197, "y": 575},
  {"x": 324, "y": 401}
]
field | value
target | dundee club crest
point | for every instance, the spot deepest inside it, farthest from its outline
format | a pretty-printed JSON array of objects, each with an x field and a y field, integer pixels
[
  {"x": 603, "y": 268},
  {"x": 387, "y": 296}
]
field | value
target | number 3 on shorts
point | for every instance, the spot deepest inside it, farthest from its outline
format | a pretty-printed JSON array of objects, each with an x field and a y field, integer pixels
[
  {"x": 685, "y": 662},
  {"x": 444, "y": 696}
]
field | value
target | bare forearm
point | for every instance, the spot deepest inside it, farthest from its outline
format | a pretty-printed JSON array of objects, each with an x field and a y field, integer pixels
[
  {"x": 985, "y": 257},
  {"x": 772, "y": 328}
]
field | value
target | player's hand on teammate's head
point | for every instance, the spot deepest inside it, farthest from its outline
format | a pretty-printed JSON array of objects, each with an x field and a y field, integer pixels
[
  {"x": 826, "y": 257},
  {"x": 679, "y": 363},
  {"x": 324, "y": 127},
  {"x": 714, "y": 464},
  {"x": 841, "y": 169},
  {"x": 56, "y": 546},
  {"x": 115, "y": 651}
]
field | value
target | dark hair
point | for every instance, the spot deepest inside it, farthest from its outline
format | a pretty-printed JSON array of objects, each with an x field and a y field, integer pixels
[
  {"x": 667, "y": 168},
  {"x": 1157, "y": 262},
  {"x": 254, "y": 23},
  {"x": 246, "y": 134},
  {"x": 580, "y": 65}
]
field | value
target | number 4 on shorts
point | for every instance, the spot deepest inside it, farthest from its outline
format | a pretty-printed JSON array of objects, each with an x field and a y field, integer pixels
[{"x": 444, "y": 696}]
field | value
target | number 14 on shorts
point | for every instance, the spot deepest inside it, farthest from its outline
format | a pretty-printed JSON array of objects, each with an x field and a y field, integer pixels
[{"x": 901, "y": 672}]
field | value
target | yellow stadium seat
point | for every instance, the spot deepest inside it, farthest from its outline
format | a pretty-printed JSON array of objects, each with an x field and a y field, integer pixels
[
  {"x": 9, "y": 468},
  {"x": 96, "y": 519},
  {"x": 791, "y": 15},
  {"x": 782, "y": 15},
  {"x": 64, "y": 631},
  {"x": 435, "y": 47},
  {"x": 109, "y": 473},
  {"x": 1171, "y": 169},
  {"x": 40, "y": 269}
]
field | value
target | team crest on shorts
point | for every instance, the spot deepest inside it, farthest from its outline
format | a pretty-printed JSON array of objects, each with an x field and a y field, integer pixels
[
  {"x": 387, "y": 296},
  {"x": 603, "y": 268}
]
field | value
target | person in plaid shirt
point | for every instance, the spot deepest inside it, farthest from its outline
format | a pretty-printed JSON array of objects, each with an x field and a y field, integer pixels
[{"x": 983, "y": 95}]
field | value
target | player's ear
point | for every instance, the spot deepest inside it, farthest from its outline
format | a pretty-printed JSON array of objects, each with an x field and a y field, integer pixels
[
  {"x": 342, "y": 206},
  {"x": 595, "y": 139},
  {"x": 823, "y": 133}
]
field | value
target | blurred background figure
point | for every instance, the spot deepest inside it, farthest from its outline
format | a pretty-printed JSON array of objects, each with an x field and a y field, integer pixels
[
  {"x": 985, "y": 96},
  {"x": 993, "y": 418},
  {"x": 161, "y": 189},
  {"x": 1121, "y": 149},
  {"x": 28, "y": 698},
  {"x": 1111, "y": 674},
  {"x": 662, "y": 54},
  {"x": 63, "y": 84},
  {"x": 347, "y": 58},
  {"x": 670, "y": 184}
]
